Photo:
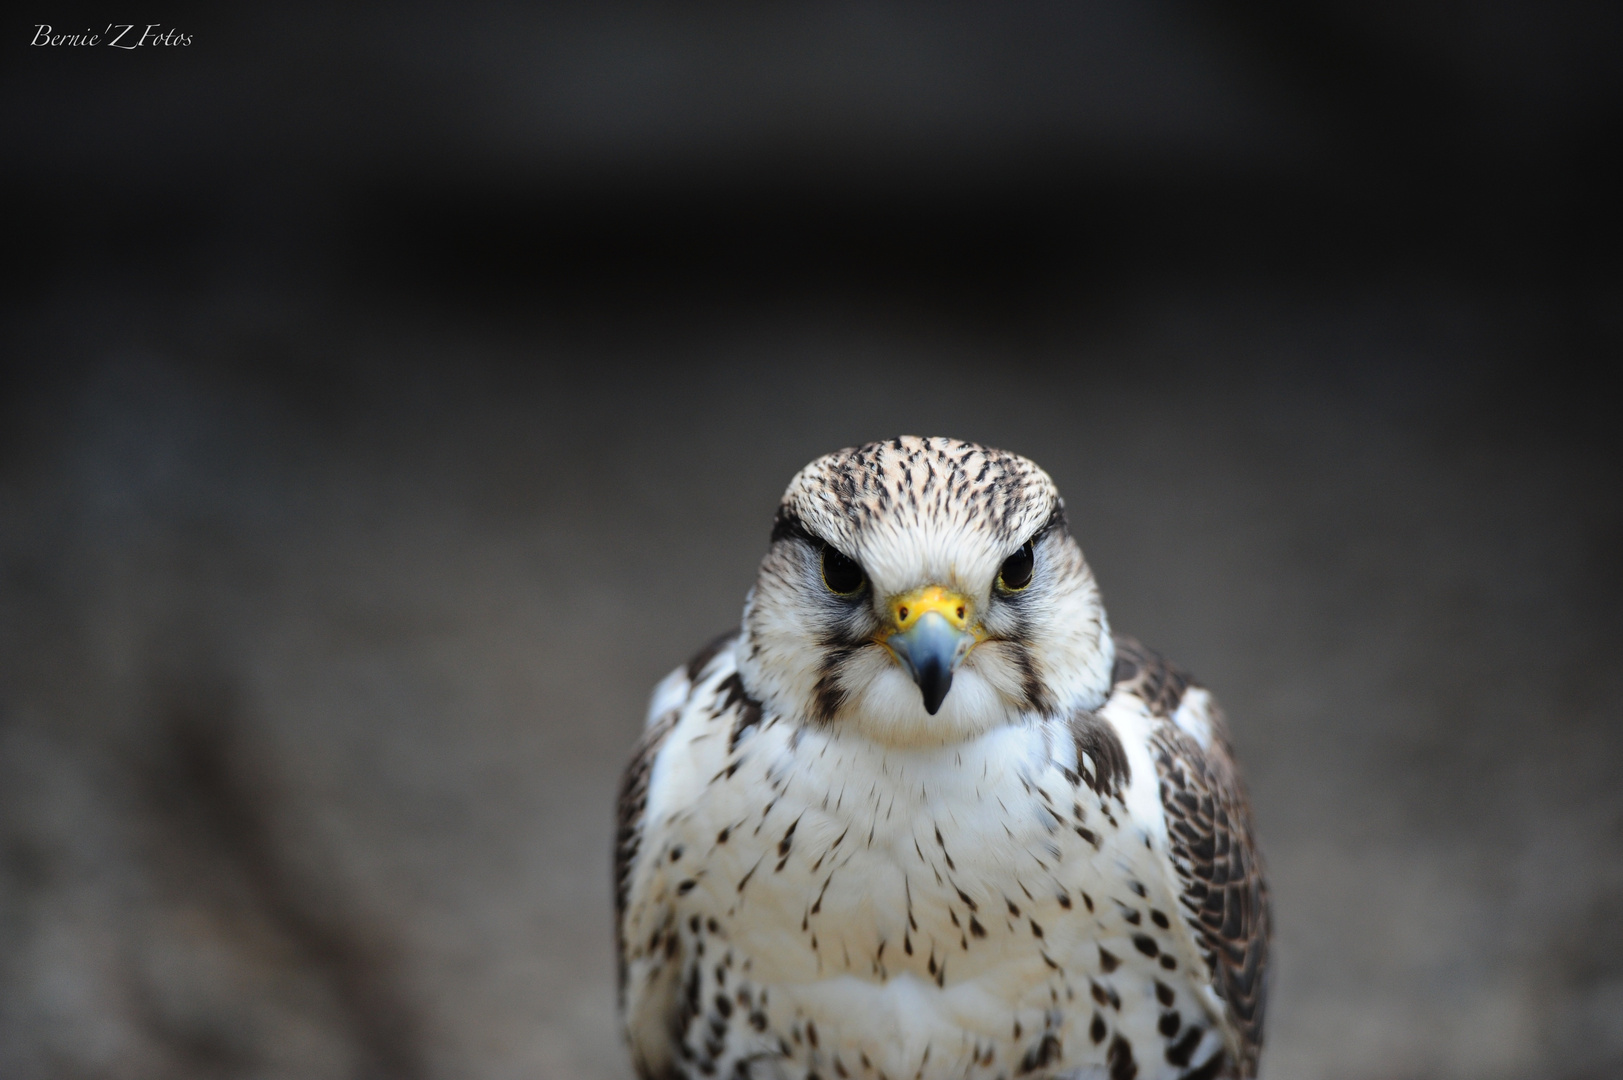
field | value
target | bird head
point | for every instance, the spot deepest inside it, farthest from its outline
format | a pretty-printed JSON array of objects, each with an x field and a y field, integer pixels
[{"x": 922, "y": 592}]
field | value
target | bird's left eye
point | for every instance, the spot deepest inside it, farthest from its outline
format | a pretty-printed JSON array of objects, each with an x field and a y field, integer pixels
[
  {"x": 1015, "y": 573},
  {"x": 840, "y": 574}
]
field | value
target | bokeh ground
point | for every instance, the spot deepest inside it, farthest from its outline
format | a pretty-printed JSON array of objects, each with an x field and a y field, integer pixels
[{"x": 328, "y": 624}]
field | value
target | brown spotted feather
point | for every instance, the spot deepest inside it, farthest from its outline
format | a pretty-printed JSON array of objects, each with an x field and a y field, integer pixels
[
  {"x": 633, "y": 801},
  {"x": 628, "y": 835},
  {"x": 1149, "y": 676},
  {"x": 1224, "y": 896}
]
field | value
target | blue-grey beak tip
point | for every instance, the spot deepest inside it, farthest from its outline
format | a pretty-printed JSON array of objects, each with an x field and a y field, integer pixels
[
  {"x": 931, "y": 651},
  {"x": 934, "y": 682}
]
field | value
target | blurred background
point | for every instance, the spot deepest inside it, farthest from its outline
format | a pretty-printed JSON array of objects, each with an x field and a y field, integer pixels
[{"x": 391, "y": 395}]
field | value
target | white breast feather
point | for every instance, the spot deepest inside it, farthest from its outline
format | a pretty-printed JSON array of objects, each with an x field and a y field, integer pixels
[{"x": 864, "y": 852}]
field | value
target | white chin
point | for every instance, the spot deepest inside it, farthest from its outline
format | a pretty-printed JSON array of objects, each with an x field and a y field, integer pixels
[{"x": 890, "y": 710}]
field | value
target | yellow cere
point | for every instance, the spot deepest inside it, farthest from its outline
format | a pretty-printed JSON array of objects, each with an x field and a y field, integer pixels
[{"x": 909, "y": 607}]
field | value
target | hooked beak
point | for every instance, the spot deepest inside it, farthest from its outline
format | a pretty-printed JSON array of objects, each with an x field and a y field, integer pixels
[{"x": 931, "y": 639}]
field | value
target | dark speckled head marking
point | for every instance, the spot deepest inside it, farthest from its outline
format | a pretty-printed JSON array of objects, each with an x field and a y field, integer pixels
[{"x": 909, "y": 484}]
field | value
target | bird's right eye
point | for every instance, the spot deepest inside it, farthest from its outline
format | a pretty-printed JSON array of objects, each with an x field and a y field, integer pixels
[{"x": 840, "y": 574}]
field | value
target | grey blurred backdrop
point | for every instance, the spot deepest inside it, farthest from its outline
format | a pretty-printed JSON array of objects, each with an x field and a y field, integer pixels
[{"x": 393, "y": 394}]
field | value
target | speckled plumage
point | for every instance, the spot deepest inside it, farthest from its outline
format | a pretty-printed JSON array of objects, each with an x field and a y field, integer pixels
[{"x": 1053, "y": 876}]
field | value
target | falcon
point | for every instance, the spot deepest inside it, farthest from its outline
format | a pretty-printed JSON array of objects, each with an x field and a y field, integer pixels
[{"x": 924, "y": 816}]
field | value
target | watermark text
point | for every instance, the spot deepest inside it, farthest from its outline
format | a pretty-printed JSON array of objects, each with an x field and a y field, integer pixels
[{"x": 115, "y": 36}]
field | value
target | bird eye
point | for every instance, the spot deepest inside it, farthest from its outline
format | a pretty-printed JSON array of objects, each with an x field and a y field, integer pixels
[
  {"x": 840, "y": 574},
  {"x": 1015, "y": 573}
]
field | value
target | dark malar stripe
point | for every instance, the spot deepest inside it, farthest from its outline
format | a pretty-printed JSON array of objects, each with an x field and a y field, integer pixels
[{"x": 829, "y": 694}]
